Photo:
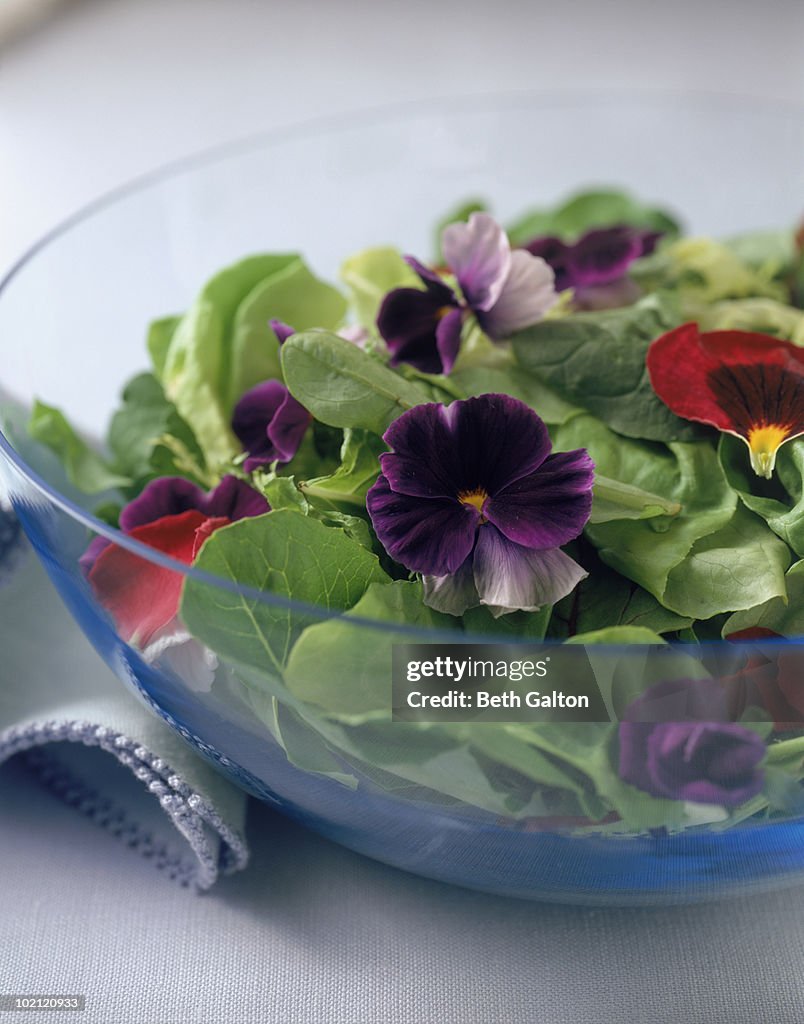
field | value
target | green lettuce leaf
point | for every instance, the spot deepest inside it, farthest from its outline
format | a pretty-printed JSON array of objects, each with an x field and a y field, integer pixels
[
  {"x": 148, "y": 437},
  {"x": 356, "y": 685},
  {"x": 284, "y": 554},
  {"x": 85, "y": 468},
  {"x": 359, "y": 469},
  {"x": 783, "y": 614},
  {"x": 370, "y": 275},
  {"x": 780, "y": 501},
  {"x": 712, "y": 557}
]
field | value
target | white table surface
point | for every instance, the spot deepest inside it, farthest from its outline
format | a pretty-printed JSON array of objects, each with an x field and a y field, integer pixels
[{"x": 314, "y": 933}]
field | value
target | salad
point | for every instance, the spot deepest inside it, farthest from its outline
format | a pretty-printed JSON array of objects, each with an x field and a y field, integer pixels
[{"x": 580, "y": 428}]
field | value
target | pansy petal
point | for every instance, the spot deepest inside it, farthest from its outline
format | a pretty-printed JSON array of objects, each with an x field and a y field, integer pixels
[
  {"x": 448, "y": 338},
  {"x": 408, "y": 320},
  {"x": 603, "y": 255},
  {"x": 509, "y": 577},
  {"x": 233, "y": 499},
  {"x": 433, "y": 537},
  {"x": 282, "y": 330},
  {"x": 452, "y": 595},
  {"x": 166, "y": 496},
  {"x": 555, "y": 252},
  {"x": 747, "y": 384},
  {"x": 478, "y": 443},
  {"x": 254, "y": 412},
  {"x": 479, "y": 254},
  {"x": 143, "y": 597},
  {"x": 548, "y": 508},
  {"x": 431, "y": 279},
  {"x": 528, "y": 293},
  {"x": 285, "y": 431}
]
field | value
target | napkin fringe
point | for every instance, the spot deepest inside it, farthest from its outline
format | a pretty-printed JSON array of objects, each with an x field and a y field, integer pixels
[{"x": 219, "y": 849}]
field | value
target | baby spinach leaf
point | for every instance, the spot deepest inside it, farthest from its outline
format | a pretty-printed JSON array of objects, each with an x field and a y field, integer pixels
[
  {"x": 280, "y": 553},
  {"x": 597, "y": 361},
  {"x": 343, "y": 386},
  {"x": 370, "y": 275},
  {"x": 517, "y": 381},
  {"x": 87, "y": 470}
]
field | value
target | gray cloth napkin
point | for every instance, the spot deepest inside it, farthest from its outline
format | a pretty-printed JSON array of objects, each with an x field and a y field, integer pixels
[{"x": 89, "y": 741}]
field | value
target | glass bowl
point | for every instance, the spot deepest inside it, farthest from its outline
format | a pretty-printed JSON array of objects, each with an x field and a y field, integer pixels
[{"x": 72, "y": 318}]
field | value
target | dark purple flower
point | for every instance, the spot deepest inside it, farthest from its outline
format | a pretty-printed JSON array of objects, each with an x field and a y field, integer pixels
[
  {"x": 676, "y": 742},
  {"x": 471, "y": 497},
  {"x": 505, "y": 291},
  {"x": 232, "y": 499},
  {"x": 270, "y": 424},
  {"x": 596, "y": 265}
]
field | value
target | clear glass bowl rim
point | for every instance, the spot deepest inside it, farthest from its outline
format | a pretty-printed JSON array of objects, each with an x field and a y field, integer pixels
[{"x": 309, "y": 128}]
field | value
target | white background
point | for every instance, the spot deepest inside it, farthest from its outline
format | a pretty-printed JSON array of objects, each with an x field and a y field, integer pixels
[{"x": 110, "y": 89}]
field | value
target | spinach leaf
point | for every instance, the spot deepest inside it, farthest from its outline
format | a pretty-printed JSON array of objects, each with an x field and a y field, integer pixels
[
  {"x": 280, "y": 553},
  {"x": 343, "y": 386},
  {"x": 514, "y": 380},
  {"x": 783, "y": 613},
  {"x": 597, "y": 361}
]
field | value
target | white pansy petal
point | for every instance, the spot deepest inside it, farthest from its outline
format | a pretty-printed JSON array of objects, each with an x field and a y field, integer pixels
[
  {"x": 479, "y": 255},
  {"x": 528, "y": 293}
]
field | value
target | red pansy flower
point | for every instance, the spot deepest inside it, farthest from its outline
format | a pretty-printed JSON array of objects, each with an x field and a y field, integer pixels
[{"x": 749, "y": 385}]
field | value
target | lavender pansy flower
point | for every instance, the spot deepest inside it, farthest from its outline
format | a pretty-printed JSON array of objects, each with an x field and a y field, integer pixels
[
  {"x": 472, "y": 498},
  {"x": 504, "y": 290},
  {"x": 676, "y": 742},
  {"x": 596, "y": 265},
  {"x": 270, "y": 424}
]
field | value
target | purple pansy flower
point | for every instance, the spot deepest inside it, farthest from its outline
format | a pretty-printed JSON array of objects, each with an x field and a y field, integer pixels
[
  {"x": 472, "y": 498},
  {"x": 676, "y": 742},
  {"x": 232, "y": 499},
  {"x": 505, "y": 290},
  {"x": 596, "y": 265},
  {"x": 270, "y": 424}
]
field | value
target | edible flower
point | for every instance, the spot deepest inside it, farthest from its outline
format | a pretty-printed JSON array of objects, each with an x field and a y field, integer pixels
[
  {"x": 270, "y": 424},
  {"x": 471, "y": 497},
  {"x": 596, "y": 265},
  {"x": 505, "y": 290},
  {"x": 676, "y": 743},
  {"x": 749, "y": 385},
  {"x": 175, "y": 517}
]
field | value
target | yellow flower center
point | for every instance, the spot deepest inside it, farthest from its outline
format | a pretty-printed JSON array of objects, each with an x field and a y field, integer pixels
[
  {"x": 477, "y": 499},
  {"x": 763, "y": 443}
]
